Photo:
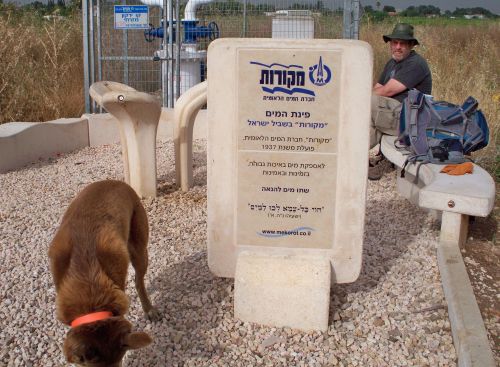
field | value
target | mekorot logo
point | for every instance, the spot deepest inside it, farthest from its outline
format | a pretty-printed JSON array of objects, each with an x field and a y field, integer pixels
[
  {"x": 320, "y": 74},
  {"x": 291, "y": 79}
]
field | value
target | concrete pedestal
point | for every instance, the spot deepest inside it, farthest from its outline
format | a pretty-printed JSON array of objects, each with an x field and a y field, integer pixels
[{"x": 138, "y": 115}]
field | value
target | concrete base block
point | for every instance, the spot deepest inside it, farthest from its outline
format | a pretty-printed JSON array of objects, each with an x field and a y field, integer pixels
[{"x": 278, "y": 290}]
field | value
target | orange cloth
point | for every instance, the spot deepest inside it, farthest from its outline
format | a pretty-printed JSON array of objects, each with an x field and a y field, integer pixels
[{"x": 458, "y": 169}]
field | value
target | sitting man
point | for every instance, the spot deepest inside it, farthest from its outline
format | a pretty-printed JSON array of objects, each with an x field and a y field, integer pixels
[{"x": 405, "y": 70}]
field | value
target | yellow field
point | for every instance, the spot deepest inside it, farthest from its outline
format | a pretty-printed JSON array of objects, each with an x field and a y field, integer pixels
[{"x": 41, "y": 71}]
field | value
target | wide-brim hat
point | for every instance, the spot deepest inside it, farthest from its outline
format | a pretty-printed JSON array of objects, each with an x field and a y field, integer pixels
[{"x": 401, "y": 31}]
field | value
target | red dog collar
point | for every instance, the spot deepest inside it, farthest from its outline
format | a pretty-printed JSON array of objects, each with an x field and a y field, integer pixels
[{"x": 91, "y": 317}]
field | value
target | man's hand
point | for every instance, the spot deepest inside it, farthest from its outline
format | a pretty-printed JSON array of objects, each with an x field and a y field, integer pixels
[{"x": 391, "y": 88}]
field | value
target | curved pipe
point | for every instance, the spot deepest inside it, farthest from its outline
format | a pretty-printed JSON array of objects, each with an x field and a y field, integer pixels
[
  {"x": 190, "y": 11},
  {"x": 185, "y": 111},
  {"x": 158, "y": 3}
]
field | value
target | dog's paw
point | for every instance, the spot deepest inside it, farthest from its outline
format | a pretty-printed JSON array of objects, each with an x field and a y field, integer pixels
[{"x": 153, "y": 314}]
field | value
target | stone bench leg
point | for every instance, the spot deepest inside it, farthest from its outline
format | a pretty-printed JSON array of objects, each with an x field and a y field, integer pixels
[
  {"x": 138, "y": 115},
  {"x": 277, "y": 290},
  {"x": 454, "y": 227},
  {"x": 139, "y": 155}
]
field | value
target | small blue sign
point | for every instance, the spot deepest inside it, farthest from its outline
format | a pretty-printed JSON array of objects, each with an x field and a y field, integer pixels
[{"x": 131, "y": 17}]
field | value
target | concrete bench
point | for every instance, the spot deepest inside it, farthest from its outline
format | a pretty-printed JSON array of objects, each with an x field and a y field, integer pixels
[{"x": 456, "y": 198}]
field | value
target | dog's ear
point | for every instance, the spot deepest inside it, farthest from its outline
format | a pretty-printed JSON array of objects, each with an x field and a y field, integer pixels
[
  {"x": 136, "y": 340},
  {"x": 83, "y": 354}
]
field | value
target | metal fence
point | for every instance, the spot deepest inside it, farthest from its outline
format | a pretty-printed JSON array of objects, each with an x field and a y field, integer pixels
[{"x": 143, "y": 44}]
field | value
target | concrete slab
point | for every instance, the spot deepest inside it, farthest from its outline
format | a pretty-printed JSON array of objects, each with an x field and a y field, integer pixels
[
  {"x": 467, "y": 327},
  {"x": 24, "y": 142},
  {"x": 282, "y": 290}
]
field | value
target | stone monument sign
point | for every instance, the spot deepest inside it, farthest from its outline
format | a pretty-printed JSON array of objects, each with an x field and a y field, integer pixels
[{"x": 287, "y": 163}]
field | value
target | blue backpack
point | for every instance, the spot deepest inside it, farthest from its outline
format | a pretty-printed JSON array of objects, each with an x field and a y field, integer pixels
[{"x": 440, "y": 132}]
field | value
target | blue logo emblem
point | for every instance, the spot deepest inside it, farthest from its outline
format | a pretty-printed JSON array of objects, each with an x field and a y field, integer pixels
[
  {"x": 288, "y": 79},
  {"x": 320, "y": 74}
]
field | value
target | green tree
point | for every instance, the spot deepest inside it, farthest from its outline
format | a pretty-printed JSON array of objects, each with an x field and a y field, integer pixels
[
  {"x": 389, "y": 9},
  {"x": 460, "y": 12},
  {"x": 50, "y": 5},
  {"x": 368, "y": 9},
  {"x": 420, "y": 11},
  {"x": 410, "y": 11}
]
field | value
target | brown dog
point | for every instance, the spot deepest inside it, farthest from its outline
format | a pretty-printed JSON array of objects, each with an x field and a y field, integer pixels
[{"x": 103, "y": 229}]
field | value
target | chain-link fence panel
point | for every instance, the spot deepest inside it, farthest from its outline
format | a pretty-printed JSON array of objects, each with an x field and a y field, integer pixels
[{"x": 162, "y": 48}]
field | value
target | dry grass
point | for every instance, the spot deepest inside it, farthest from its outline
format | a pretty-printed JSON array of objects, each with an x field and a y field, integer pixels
[
  {"x": 41, "y": 71},
  {"x": 465, "y": 61}
]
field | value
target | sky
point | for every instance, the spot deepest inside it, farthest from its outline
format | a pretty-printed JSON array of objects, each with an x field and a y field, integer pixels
[{"x": 491, "y": 5}]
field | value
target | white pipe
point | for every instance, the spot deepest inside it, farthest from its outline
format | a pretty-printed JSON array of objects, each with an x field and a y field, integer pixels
[
  {"x": 153, "y": 2},
  {"x": 158, "y": 3},
  {"x": 190, "y": 11}
]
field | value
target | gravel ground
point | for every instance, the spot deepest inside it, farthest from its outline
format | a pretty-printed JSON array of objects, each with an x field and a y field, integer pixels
[{"x": 393, "y": 315}]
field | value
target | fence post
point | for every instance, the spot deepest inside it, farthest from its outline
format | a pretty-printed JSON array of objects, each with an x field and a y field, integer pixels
[
  {"x": 91, "y": 49},
  {"x": 355, "y": 23},
  {"x": 86, "y": 74},
  {"x": 346, "y": 28},
  {"x": 164, "y": 60},
  {"x": 125, "y": 52},
  {"x": 351, "y": 19},
  {"x": 170, "y": 53},
  {"x": 179, "y": 40},
  {"x": 99, "y": 45}
]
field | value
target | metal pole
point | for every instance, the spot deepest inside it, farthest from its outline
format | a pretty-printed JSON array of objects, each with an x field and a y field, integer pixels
[
  {"x": 179, "y": 43},
  {"x": 99, "y": 41},
  {"x": 164, "y": 61},
  {"x": 125, "y": 52},
  {"x": 244, "y": 18},
  {"x": 91, "y": 47},
  {"x": 86, "y": 83},
  {"x": 356, "y": 15},
  {"x": 171, "y": 54},
  {"x": 99, "y": 46},
  {"x": 347, "y": 19}
]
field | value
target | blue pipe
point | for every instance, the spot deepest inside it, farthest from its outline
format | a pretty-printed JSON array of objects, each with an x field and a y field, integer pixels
[{"x": 192, "y": 32}]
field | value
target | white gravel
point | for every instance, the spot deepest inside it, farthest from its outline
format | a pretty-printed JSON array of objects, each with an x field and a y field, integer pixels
[{"x": 393, "y": 315}]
